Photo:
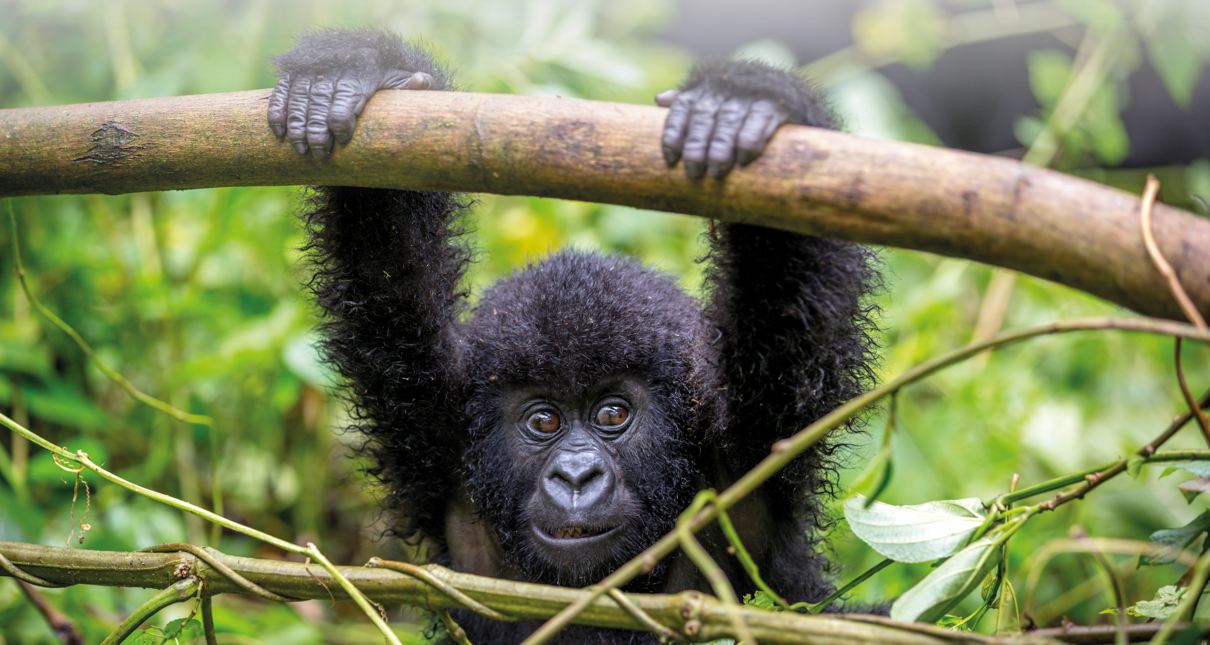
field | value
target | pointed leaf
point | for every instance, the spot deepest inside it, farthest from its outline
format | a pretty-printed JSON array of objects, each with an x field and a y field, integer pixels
[
  {"x": 1177, "y": 538},
  {"x": 949, "y": 583},
  {"x": 1200, "y": 467},
  {"x": 917, "y": 533},
  {"x": 1008, "y": 616},
  {"x": 877, "y": 475},
  {"x": 1194, "y": 487}
]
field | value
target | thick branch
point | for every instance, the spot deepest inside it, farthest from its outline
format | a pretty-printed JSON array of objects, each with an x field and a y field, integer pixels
[
  {"x": 521, "y": 600},
  {"x": 984, "y": 208}
]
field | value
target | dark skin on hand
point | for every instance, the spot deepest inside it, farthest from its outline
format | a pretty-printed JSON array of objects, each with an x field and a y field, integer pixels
[{"x": 557, "y": 428}]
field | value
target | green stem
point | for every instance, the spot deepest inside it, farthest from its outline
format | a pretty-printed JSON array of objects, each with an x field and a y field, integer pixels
[
  {"x": 741, "y": 554},
  {"x": 1058, "y": 483},
  {"x": 181, "y": 591},
  {"x": 817, "y": 607},
  {"x": 709, "y": 568},
  {"x": 368, "y": 608},
  {"x": 113, "y": 375}
]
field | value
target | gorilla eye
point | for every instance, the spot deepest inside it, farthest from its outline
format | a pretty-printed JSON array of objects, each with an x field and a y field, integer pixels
[
  {"x": 612, "y": 415},
  {"x": 544, "y": 422}
]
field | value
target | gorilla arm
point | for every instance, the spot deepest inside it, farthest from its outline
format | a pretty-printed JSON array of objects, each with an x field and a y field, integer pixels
[
  {"x": 387, "y": 270},
  {"x": 789, "y": 307}
]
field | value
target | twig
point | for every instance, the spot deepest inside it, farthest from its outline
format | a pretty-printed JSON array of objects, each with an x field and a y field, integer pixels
[
  {"x": 59, "y": 623},
  {"x": 1115, "y": 590},
  {"x": 1059, "y": 483},
  {"x": 1150, "y": 191},
  {"x": 1096, "y": 479},
  {"x": 525, "y": 601},
  {"x": 709, "y": 568},
  {"x": 354, "y": 593},
  {"x": 1196, "y": 410},
  {"x": 817, "y": 607},
  {"x": 643, "y": 617},
  {"x": 178, "y": 592},
  {"x": 1093, "y": 634},
  {"x": 422, "y": 574},
  {"x": 113, "y": 375},
  {"x": 310, "y": 550},
  {"x": 453, "y": 628},
  {"x": 212, "y": 559},
  {"x": 208, "y": 620}
]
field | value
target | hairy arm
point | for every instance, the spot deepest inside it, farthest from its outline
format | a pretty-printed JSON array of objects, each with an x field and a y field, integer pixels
[
  {"x": 795, "y": 329},
  {"x": 387, "y": 269}
]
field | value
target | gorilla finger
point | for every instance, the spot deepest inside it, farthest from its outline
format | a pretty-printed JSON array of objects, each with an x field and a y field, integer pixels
[
  {"x": 296, "y": 114},
  {"x": 762, "y": 121},
  {"x": 697, "y": 139},
  {"x": 721, "y": 156},
  {"x": 665, "y": 98},
  {"x": 418, "y": 81},
  {"x": 675, "y": 125},
  {"x": 347, "y": 100},
  {"x": 319, "y": 138},
  {"x": 277, "y": 107}
]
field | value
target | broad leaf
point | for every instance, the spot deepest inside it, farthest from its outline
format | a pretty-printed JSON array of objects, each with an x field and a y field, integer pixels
[
  {"x": 1167, "y": 600},
  {"x": 1200, "y": 467},
  {"x": 949, "y": 583},
  {"x": 1177, "y": 538},
  {"x": 917, "y": 533}
]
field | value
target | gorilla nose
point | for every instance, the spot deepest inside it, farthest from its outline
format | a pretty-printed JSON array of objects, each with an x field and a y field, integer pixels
[{"x": 578, "y": 480}]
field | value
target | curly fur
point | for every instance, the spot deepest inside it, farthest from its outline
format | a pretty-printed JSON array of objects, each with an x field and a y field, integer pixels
[{"x": 784, "y": 337}]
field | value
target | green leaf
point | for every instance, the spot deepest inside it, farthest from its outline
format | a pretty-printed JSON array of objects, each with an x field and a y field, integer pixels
[
  {"x": 760, "y": 600},
  {"x": 1103, "y": 122},
  {"x": 917, "y": 533},
  {"x": 1049, "y": 71},
  {"x": 1134, "y": 466},
  {"x": 145, "y": 636},
  {"x": 1167, "y": 600},
  {"x": 874, "y": 479},
  {"x": 1177, "y": 68},
  {"x": 1178, "y": 538},
  {"x": 1201, "y": 468},
  {"x": 949, "y": 583},
  {"x": 1194, "y": 487},
  {"x": 184, "y": 629},
  {"x": 1008, "y": 616}
]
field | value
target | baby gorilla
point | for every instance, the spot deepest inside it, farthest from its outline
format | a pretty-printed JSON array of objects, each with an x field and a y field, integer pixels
[{"x": 561, "y": 427}]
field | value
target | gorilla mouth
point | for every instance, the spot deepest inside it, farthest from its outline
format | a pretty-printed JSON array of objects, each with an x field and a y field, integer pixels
[
  {"x": 577, "y": 532},
  {"x": 571, "y": 533}
]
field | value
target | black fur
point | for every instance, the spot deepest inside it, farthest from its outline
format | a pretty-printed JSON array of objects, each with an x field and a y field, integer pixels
[{"x": 784, "y": 337}]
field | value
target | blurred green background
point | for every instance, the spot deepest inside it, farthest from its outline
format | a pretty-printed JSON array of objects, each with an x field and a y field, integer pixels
[{"x": 196, "y": 296}]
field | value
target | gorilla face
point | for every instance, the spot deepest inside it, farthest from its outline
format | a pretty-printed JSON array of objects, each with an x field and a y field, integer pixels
[{"x": 576, "y": 483}]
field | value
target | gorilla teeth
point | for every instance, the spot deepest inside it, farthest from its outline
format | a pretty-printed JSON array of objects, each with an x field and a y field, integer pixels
[{"x": 572, "y": 532}]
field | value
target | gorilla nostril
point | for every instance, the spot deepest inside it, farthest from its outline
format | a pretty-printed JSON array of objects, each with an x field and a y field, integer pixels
[{"x": 577, "y": 479}]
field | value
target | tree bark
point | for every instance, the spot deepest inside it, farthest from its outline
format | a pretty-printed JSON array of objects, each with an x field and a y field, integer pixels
[
  {"x": 689, "y": 612},
  {"x": 988, "y": 209}
]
